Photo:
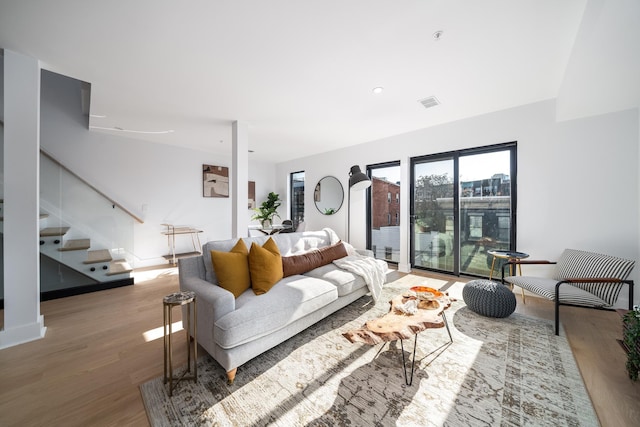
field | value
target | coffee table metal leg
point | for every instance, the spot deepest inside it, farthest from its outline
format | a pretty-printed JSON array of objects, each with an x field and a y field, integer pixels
[
  {"x": 444, "y": 318},
  {"x": 413, "y": 360}
]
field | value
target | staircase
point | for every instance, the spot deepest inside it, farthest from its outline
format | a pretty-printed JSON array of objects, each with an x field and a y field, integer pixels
[
  {"x": 98, "y": 264},
  {"x": 86, "y": 237}
]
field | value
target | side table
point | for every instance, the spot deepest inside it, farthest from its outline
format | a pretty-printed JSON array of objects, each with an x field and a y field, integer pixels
[
  {"x": 179, "y": 299},
  {"x": 509, "y": 256}
]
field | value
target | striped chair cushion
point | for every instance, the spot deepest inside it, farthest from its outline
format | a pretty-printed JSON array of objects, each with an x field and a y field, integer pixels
[
  {"x": 546, "y": 288},
  {"x": 581, "y": 264}
]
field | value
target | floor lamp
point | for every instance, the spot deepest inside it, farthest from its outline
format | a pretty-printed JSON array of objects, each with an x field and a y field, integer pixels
[{"x": 358, "y": 181}]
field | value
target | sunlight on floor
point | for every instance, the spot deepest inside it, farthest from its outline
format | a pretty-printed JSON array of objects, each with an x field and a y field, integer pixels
[
  {"x": 154, "y": 334},
  {"x": 147, "y": 274}
]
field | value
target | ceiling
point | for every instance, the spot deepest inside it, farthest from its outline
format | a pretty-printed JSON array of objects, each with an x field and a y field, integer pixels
[{"x": 300, "y": 74}]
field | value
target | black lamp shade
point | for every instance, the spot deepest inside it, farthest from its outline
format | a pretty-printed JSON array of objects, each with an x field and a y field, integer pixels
[{"x": 357, "y": 179}]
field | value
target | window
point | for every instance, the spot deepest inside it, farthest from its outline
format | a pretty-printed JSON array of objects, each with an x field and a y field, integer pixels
[
  {"x": 463, "y": 205},
  {"x": 296, "y": 189},
  {"x": 383, "y": 215}
]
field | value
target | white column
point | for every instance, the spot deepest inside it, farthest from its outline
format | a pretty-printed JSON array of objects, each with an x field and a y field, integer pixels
[
  {"x": 22, "y": 319},
  {"x": 240, "y": 180},
  {"x": 404, "y": 264}
]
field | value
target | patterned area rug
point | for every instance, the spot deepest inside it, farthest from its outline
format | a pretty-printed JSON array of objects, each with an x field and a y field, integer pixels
[{"x": 509, "y": 372}]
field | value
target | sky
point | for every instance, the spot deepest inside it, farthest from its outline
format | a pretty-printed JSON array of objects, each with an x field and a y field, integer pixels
[{"x": 472, "y": 168}]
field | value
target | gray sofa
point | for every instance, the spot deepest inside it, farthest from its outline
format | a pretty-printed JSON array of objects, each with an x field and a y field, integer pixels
[{"x": 234, "y": 331}]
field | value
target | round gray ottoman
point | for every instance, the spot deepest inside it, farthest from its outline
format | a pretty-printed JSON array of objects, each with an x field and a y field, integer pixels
[{"x": 489, "y": 298}]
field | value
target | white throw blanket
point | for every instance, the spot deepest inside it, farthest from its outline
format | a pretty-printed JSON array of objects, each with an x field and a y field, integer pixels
[{"x": 373, "y": 271}]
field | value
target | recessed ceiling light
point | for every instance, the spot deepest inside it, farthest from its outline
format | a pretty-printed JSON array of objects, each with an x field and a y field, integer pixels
[
  {"x": 437, "y": 35},
  {"x": 378, "y": 90}
]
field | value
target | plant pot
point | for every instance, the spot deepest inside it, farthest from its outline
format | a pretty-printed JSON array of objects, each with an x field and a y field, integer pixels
[{"x": 266, "y": 224}]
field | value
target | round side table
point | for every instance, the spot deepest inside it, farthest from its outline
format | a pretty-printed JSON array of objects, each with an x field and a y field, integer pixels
[
  {"x": 508, "y": 255},
  {"x": 179, "y": 299}
]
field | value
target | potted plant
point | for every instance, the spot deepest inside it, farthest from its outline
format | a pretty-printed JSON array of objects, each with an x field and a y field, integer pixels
[
  {"x": 267, "y": 210},
  {"x": 631, "y": 341}
]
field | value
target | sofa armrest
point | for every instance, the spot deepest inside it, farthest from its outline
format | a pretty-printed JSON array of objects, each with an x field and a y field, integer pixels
[
  {"x": 212, "y": 301},
  {"x": 365, "y": 252}
]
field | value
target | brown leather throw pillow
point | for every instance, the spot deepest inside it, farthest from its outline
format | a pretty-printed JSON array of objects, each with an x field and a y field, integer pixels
[{"x": 299, "y": 264}]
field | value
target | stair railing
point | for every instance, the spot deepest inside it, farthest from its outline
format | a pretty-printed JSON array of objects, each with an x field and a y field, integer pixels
[{"x": 73, "y": 202}]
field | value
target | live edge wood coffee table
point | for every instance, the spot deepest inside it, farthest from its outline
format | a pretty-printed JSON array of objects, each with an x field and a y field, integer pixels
[{"x": 396, "y": 325}]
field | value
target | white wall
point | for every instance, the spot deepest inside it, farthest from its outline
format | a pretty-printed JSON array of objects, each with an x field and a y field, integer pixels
[
  {"x": 157, "y": 182},
  {"x": 578, "y": 183}
]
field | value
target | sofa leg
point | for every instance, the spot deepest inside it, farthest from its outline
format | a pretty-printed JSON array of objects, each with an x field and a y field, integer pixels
[{"x": 231, "y": 376}]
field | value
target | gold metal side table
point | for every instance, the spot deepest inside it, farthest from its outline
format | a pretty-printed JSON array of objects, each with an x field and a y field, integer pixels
[{"x": 179, "y": 299}]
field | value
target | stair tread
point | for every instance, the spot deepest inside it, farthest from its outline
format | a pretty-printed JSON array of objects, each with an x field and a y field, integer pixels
[
  {"x": 99, "y": 255},
  {"x": 54, "y": 231},
  {"x": 76, "y": 245},
  {"x": 119, "y": 266}
]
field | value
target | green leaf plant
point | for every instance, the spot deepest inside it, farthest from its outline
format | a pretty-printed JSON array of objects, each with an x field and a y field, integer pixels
[
  {"x": 268, "y": 209},
  {"x": 631, "y": 339}
]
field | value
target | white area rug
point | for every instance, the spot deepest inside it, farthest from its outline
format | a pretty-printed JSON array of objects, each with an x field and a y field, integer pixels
[{"x": 509, "y": 372}]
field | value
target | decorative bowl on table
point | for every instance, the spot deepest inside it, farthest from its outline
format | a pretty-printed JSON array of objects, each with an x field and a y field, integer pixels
[{"x": 426, "y": 293}]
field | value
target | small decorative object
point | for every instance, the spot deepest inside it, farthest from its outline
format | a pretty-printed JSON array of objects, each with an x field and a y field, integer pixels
[
  {"x": 215, "y": 181},
  {"x": 267, "y": 210},
  {"x": 631, "y": 341},
  {"x": 409, "y": 307},
  {"x": 427, "y": 293}
]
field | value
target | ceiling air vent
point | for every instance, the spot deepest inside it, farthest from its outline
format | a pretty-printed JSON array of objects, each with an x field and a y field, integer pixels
[{"x": 429, "y": 102}]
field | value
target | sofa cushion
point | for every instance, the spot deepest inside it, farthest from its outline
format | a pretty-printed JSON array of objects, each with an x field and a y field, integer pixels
[
  {"x": 299, "y": 264},
  {"x": 344, "y": 281},
  {"x": 265, "y": 266},
  {"x": 546, "y": 287},
  {"x": 288, "y": 244},
  {"x": 232, "y": 268},
  {"x": 258, "y": 315}
]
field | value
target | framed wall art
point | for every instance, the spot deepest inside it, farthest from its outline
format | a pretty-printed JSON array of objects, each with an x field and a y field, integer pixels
[
  {"x": 215, "y": 181},
  {"x": 252, "y": 194}
]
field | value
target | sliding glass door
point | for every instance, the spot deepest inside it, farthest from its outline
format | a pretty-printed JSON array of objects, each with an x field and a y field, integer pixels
[
  {"x": 463, "y": 205},
  {"x": 434, "y": 231}
]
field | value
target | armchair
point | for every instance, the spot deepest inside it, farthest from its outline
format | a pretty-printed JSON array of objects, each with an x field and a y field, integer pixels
[{"x": 580, "y": 278}]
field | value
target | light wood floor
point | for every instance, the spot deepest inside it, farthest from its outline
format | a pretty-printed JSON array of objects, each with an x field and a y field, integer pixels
[{"x": 87, "y": 369}]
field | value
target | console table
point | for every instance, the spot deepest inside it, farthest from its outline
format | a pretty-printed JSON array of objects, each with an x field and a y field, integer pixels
[{"x": 171, "y": 232}]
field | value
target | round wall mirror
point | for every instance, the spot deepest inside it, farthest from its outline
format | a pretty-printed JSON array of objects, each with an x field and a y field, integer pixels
[{"x": 328, "y": 195}]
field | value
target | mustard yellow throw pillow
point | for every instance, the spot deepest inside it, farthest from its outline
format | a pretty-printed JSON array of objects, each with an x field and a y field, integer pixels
[
  {"x": 232, "y": 268},
  {"x": 265, "y": 266}
]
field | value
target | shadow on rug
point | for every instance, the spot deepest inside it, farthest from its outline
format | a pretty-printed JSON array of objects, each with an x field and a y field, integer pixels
[{"x": 511, "y": 372}]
